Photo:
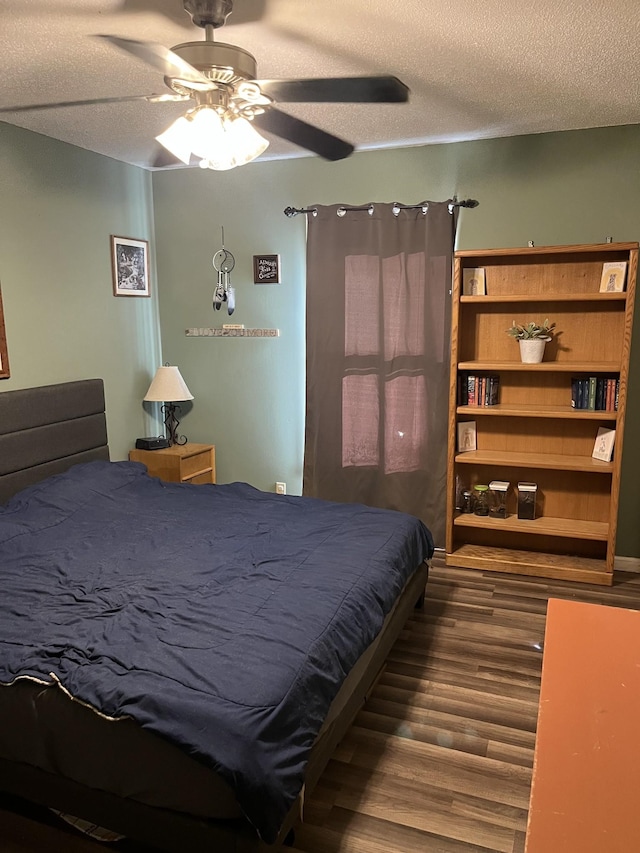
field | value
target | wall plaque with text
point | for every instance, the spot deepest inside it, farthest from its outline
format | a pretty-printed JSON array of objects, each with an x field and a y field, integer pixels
[{"x": 266, "y": 269}]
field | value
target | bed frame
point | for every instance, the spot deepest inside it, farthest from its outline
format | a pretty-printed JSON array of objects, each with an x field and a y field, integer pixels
[{"x": 46, "y": 430}]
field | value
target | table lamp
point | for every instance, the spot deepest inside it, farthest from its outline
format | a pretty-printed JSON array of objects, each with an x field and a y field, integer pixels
[{"x": 167, "y": 387}]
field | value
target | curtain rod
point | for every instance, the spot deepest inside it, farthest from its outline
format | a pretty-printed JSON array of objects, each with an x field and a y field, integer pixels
[{"x": 397, "y": 207}]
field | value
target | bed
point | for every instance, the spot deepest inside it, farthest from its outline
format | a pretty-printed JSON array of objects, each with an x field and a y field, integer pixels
[{"x": 178, "y": 662}]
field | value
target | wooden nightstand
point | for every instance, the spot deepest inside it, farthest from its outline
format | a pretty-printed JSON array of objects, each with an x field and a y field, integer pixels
[{"x": 187, "y": 463}]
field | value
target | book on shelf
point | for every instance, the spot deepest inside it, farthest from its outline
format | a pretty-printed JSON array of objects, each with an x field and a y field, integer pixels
[
  {"x": 466, "y": 436},
  {"x": 595, "y": 393},
  {"x": 603, "y": 447},
  {"x": 591, "y": 394},
  {"x": 473, "y": 282},
  {"x": 575, "y": 392},
  {"x": 613, "y": 275},
  {"x": 474, "y": 390},
  {"x": 494, "y": 389}
]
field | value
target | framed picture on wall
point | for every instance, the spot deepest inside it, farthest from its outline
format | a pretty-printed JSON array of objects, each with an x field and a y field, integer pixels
[
  {"x": 130, "y": 266},
  {"x": 4, "y": 356},
  {"x": 266, "y": 269}
]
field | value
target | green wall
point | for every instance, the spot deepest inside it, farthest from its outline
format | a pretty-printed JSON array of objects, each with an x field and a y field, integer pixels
[
  {"x": 574, "y": 187},
  {"x": 59, "y": 205}
]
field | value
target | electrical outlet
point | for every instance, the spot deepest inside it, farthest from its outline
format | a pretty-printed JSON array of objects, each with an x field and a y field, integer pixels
[{"x": 281, "y": 488}]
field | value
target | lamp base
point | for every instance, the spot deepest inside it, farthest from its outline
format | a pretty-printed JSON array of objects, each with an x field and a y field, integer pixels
[{"x": 172, "y": 423}]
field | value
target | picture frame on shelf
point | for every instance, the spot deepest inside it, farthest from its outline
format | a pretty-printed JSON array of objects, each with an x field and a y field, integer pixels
[
  {"x": 474, "y": 282},
  {"x": 5, "y": 373},
  {"x": 613, "y": 277},
  {"x": 603, "y": 446},
  {"x": 466, "y": 436},
  {"x": 130, "y": 266}
]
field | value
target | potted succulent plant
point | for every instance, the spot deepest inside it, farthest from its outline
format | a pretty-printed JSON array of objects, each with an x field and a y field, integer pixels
[{"x": 532, "y": 338}]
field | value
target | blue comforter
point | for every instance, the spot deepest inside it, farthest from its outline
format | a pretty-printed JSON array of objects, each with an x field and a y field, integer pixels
[{"x": 219, "y": 617}]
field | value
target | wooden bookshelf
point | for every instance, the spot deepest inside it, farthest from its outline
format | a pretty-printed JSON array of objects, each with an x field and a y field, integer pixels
[{"x": 533, "y": 433}]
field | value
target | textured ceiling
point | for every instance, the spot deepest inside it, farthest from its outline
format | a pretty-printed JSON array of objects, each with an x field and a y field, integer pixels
[{"x": 475, "y": 68}]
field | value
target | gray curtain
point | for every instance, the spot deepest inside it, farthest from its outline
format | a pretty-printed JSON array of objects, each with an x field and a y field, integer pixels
[{"x": 378, "y": 330}]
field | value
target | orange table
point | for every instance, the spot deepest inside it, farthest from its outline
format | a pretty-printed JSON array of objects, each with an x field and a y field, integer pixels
[{"x": 585, "y": 795}]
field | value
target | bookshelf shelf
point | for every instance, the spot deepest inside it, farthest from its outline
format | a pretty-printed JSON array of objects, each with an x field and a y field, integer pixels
[
  {"x": 523, "y": 459},
  {"x": 532, "y": 411},
  {"x": 568, "y": 528},
  {"x": 548, "y": 297},
  {"x": 544, "y": 367},
  {"x": 533, "y": 433},
  {"x": 536, "y": 563}
]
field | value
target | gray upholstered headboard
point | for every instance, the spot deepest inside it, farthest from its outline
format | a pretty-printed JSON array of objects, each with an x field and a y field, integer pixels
[{"x": 45, "y": 430}]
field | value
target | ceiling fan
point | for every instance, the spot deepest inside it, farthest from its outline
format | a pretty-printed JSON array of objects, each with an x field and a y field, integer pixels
[{"x": 228, "y": 103}]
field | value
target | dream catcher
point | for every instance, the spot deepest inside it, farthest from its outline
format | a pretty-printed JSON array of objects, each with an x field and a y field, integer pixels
[{"x": 223, "y": 262}]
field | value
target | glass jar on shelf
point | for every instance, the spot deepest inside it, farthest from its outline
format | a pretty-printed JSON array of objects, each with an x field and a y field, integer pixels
[
  {"x": 467, "y": 501},
  {"x": 498, "y": 490},
  {"x": 481, "y": 499}
]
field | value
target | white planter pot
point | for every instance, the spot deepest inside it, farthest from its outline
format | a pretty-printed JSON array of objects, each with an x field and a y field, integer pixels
[{"x": 532, "y": 350}]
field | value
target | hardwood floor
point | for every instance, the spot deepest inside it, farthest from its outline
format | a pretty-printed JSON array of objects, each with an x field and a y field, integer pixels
[{"x": 439, "y": 760}]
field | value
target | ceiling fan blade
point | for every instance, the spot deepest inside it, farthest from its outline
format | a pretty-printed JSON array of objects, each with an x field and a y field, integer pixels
[
  {"x": 303, "y": 134},
  {"x": 353, "y": 90},
  {"x": 161, "y": 58},
  {"x": 88, "y": 101}
]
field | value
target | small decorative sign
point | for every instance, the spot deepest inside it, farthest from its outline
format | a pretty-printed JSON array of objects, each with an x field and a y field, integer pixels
[
  {"x": 232, "y": 333},
  {"x": 473, "y": 282},
  {"x": 266, "y": 269},
  {"x": 603, "y": 448},
  {"x": 466, "y": 436},
  {"x": 613, "y": 274}
]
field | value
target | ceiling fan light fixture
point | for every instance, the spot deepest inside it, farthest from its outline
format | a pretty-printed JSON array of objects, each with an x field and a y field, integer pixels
[
  {"x": 244, "y": 139},
  {"x": 177, "y": 139},
  {"x": 206, "y": 132},
  {"x": 219, "y": 141}
]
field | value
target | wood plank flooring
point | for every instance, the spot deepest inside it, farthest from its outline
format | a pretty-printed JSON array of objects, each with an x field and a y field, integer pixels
[{"x": 439, "y": 760}]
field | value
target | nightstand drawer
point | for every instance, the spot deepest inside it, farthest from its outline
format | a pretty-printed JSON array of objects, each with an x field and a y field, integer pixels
[
  {"x": 195, "y": 464},
  {"x": 200, "y": 479}
]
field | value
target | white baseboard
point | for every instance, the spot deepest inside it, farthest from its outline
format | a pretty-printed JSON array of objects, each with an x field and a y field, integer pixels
[{"x": 626, "y": 564}]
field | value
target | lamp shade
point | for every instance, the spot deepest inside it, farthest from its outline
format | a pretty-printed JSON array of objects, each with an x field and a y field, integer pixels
[{"x": 168, "y": 386}]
